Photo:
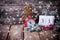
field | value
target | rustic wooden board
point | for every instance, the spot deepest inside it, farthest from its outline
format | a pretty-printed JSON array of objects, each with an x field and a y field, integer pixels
[
  {"x": 16, "y": 32},
  {"x": 43, "y": 35},
  {"x": 31, "y": 35},
  {"x": 4, "y": 31},
  {"x": 47, "y": 35}
]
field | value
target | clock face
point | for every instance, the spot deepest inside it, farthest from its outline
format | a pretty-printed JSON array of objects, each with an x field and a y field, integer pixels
[{"x": 30, "y": 22}]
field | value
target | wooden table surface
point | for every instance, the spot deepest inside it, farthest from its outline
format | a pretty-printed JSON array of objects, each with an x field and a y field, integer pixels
[
  {"x": 4, "y": 31},
  {"x": 43, "y": 35},
  {"x": 16, "y": 32}
]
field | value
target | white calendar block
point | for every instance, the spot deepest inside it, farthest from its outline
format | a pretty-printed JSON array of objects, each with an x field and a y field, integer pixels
[{"x": 46, "y": 20}]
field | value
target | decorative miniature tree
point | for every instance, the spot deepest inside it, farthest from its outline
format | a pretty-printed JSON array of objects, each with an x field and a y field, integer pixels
[{"x": 28, "y": 10}]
